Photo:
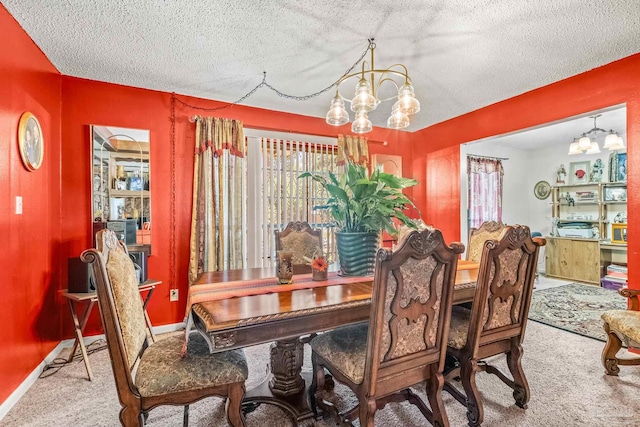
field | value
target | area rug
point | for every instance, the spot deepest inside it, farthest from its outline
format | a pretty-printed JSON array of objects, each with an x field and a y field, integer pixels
[{"x": 575, "y": 308}]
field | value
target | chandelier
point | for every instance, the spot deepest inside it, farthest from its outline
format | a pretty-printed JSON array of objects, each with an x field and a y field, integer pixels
[
  {"x": 366, "y": 97},
  {"x": 587, "y": 143}
]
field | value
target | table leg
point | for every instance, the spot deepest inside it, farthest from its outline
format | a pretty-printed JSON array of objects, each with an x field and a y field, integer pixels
[
  {"x": 79, "y": 326},
  {"x": 146, "y": 315},
  {"x": 286, "y": 386}
]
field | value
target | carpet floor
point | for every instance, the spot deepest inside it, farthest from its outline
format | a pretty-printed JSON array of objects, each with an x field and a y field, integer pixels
[
  {"x": 568, "y": 388},
  {"x": 576, "y": 308}
]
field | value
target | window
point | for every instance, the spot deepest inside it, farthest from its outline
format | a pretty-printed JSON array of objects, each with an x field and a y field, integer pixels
[
  {"x": 275, "y": 196},
  {"x": 485, "y": 190}
]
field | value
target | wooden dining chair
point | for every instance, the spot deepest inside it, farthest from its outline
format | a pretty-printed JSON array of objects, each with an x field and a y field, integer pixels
[
  {"x": 488, "y": 230},
  {"x": 162, "y": 376},
  {"x": 299, "y": 238},
  {"x": 404, "y": 341},
  {"x": 496, "y": 322},
  {"x": 622, "y": 326}
]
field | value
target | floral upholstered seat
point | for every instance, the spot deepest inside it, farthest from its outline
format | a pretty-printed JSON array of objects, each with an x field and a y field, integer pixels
[
  {"x": 345, "y": 349},
  {"x": 163, "y": 371},
  {"x": 621, "y": 326},
  {"x": 162, "y": 376}
]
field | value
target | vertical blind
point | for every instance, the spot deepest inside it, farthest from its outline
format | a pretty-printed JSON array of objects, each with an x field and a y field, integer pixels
[{"x": 286, "y": 198}]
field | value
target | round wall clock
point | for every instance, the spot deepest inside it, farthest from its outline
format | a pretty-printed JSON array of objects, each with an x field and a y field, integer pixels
[{"x": 542, "y": 190}]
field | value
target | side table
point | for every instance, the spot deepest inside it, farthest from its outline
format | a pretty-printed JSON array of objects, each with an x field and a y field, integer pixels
[{"x": 77, "y": 298}]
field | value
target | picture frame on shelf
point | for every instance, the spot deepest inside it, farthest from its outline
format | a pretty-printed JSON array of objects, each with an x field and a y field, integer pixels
[
  {"x": 579, "y": 172},
  {"x": 613, "y": 166},
  {"x": 621, "y": 167},
  {"x": 615, "y": 194},
  {"x": 619, "y": 233}
]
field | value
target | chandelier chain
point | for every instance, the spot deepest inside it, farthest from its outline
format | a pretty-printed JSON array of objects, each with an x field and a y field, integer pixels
[{"x": 281, "y": 94}]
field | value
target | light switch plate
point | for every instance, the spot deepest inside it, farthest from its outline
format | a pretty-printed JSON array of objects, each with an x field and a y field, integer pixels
[
  {"x": 18, "y": 205},
  {"x": 173, "y": 295}
]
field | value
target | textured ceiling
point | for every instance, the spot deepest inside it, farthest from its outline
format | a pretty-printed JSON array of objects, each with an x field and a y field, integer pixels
[
  {"x": 461, "y": 54},
  {"x": 563, "y": 132}
]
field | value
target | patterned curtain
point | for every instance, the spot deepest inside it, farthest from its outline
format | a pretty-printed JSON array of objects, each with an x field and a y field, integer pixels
[
  {"x": 218, "y": 197},
  {"x": 485, "y": 190},
  {"x": 354, "y": 148}
]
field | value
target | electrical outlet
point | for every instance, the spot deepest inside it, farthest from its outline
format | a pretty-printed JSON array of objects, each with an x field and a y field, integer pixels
[{"x": 173, "y": 295}]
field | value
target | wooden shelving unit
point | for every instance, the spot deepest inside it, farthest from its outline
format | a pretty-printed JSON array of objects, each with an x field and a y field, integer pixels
[{"x": 585, "y": 256}]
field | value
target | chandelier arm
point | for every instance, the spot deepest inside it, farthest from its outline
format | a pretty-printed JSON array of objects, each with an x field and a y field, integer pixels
[{"x": 396, "y": 72}]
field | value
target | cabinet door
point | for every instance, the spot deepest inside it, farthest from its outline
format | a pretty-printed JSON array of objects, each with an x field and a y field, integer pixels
[
  {"x": 586, "y": 261},
  {"x": 558, "y": 257}
]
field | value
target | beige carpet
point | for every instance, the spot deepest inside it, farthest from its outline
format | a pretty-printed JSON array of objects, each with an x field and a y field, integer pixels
[{"x": 568, "y": 388}]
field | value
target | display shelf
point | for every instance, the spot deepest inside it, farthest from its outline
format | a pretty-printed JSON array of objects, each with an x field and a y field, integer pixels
[{"x": 583, "y": 258}]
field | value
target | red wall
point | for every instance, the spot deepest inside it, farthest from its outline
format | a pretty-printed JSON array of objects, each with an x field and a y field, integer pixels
[
  {"x": 31, "y": 242},
  {"x": 436, "y": 149}
]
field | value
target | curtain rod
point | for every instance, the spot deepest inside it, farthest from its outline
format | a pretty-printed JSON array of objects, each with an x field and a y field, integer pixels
[
  {"x": 487, "y": 157},
  {"x": 194, "y": 118}
]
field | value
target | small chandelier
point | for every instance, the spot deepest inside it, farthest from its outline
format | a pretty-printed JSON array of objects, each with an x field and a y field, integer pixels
[
  {"x": 366, "y": 99},
  {"x": 587, "y": 143}
]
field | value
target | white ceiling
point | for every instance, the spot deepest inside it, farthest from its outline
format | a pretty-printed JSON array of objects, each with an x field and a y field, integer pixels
[
  {"x": 461, "y": 54},
  {"x": 564, "y": 131}
]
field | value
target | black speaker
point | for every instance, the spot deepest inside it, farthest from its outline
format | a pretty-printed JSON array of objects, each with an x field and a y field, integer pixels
[
  {"x": 140, "y": 259},
  {"x": 80, "y": 276}
]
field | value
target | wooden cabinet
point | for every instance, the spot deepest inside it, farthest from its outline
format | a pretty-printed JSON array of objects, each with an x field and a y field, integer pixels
[{"x": 573, "y": 259}]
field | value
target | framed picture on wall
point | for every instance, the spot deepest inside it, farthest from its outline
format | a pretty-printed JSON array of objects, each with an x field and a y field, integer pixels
[
  {"x": 30, "y": 141},
  {"x": 579, "y": 172}
]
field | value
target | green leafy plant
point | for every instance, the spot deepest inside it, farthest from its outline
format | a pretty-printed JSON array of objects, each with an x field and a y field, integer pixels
[{"x": 362, "y": 203}]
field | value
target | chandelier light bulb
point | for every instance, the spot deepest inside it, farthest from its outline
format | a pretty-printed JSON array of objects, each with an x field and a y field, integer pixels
[
  {"x": 364, "y": 99},
  {"x": 407, "y": 100},
  {"x": 337, "y": 115},
  {"x": 398, "y": 120},
  {"x": 574, "y": 149},
  {"x": 361, "y": 124},
  {"x": 611, "y": 140},
  {"x": 618, "y": 145},
  {"x": 584, "y": 143},
  {"x": 594, "y": 149}
]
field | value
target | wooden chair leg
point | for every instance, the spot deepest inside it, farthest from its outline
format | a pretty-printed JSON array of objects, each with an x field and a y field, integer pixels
[
  {"x": 185, "y": 416},
  {"x": 475, "y": 411},
  {"x": 611, "y": 348},
  {"x": 234, "y": 405},
  {"x": 521, "y": 391},
  {"x": 434, "y": 393},
  {"x": 367, "y": 412},
  {"x": 131, "y": 417},
  {"x": 317, "y": 379}
]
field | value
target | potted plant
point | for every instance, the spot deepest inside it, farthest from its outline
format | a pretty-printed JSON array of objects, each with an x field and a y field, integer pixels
[{"x": 362, "y": 206}]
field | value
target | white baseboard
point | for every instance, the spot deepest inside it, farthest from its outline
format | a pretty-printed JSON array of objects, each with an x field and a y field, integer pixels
[
  {"x": 29, "y": 381},
  {"x": 6, "y": 406}
]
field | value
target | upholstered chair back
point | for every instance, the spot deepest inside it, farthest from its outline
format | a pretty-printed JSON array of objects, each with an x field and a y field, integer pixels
[
  {"x": 411, "y": 308},
  {"x": 488, "y": 230},
  {"x": 119, "y": 299},
  {"x": 301, "y": 239},
  {"x": 504, "y": 286}
]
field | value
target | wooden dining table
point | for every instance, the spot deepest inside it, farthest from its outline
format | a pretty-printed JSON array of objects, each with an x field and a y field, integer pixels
[{"x": 242, "y": 308}]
